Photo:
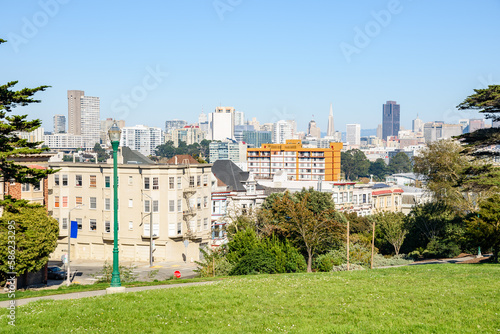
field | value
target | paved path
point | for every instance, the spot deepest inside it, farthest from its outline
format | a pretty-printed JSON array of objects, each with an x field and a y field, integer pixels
[{"x": 84, "y": 294}]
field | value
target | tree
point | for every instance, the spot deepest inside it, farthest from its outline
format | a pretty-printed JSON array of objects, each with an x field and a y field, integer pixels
[
  {"x": 307, "y": 217},
  {"x": 400, "y": 163},
  {"x": 354, "y": 164},
  {"x": 11, "y": 145},
  {"x": 101, "y": 153},
  {"x": 379, "y": 169},
  {"x": 36, "y": 236},
  {"x": 392, "y": 225},
  {"x": 486, "y": 101},
  {"x": 484, "y": 228}
]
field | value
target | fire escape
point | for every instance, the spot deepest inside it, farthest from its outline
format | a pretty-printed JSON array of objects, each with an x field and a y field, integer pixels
[{"x": 187, "y": 193}]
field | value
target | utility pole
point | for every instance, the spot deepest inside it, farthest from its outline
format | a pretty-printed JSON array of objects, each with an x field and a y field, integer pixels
[
  {"x": 347, "y": 245},
  {"x": 373, "y": 243}
]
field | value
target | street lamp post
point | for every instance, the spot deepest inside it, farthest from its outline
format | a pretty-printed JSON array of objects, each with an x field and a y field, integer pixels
[
  {"x": 68, "y": 226},
  {"x": 150, "y": 230},
  {"x": 114, "y": 135}
]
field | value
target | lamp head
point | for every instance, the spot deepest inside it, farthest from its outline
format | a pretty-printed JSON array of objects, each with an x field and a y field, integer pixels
[{"x": 114, "y": 133}]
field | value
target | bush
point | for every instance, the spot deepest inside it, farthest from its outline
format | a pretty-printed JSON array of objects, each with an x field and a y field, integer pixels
[
  {"x": 441, "y": 248},
  {"x": 415, "y": 255},
  {"x": 127, "y": 274},
  {"x": 257, "y": 261},
  {"x": 326, "y": 262},
  {"x": 386, "y": 261},
  {"x": 343, "y": 267},
  {"x": 288, "y": 258},
  {"x": 214, "y": 263}
]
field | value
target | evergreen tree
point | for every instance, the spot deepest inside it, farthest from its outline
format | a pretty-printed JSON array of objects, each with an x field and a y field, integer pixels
[{"x": 400, "y": 163}]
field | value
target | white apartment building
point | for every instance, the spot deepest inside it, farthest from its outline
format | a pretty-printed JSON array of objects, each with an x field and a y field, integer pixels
[
  {"x": 236, "y": 152},
  {"x": 63, "y": 141},
  {"x": 142, "y": 138},
  {"x": 189, "y": 134},
  {"x": 282, "y": 130},
  {"x": 90, "y": 120},
  {"x": 221, "y": 123},
  {"x": 59, "y": 123},
  {"x": 176, "y": 197},
  {"x": 239, "y": 118},
  {"x": 353, "y": 134}
]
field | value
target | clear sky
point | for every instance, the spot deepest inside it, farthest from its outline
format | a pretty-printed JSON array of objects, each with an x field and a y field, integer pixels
[{"x": 271, "y": 59}]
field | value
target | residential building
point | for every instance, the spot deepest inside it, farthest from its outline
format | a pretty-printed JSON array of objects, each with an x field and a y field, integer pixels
[
  {"x": 189, "y": 134},
  {"x": 387, "y": 198},
  {"x": 142, "y": 138},
  {"x": 105, "y": 125},
  {"x": 353, "y": 134},
  {"x": 174, "y": 197},
  {"x": 476, "y": 124},
  {"x": 239, "y": 118},
  {"x": 83, "y": 117},
  {"x": 234, "y": 193},
  {"x": 34, "y": 136},
  {"x": 59, "y": 124},
  {"x": 228, "y": 150},
  {"x": 390, "y": 119},
  {"x": 221, "y": 124},
  {"x": 257, "y": 138},
  {"x": 282, "y": 131},
  {"x": 63, "y": 141},
  {"x": 37, "y": 193},
  {"x": 174, "y": 124},
  {"x": 300, "y": 163},
  {"x": 203, "y": 122},
  {"x": 330, "y": 131}
]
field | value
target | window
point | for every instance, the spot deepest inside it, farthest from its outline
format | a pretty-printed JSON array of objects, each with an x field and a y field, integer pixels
[
  {"x": 147, "y": 206},
  {"x": 93, "y": 181},
  {"x": 56, "y": 180},
  {"x": 179, "y": 228},
  {"x": 364, "y": 198},
  {"x": 179, "y": 205},
  {"x": 79, "y": 223},
  {"x": 198, "y": 203},
  {"x": 146, "y": 183},
  {"x": 198, "y": 180},
  {"x": 130, "y": 180},
  {"x": 107, "y": 204},
  {"x": 199, "y": 225},
  {"x": 93, "y": 224},
  {"x": 25, "y": 187},
  {"x": 171, "y": 205},
  {"x": 205, "y": 223},
  {"x": 156, "y": 183},
  {"x": 65, "y": 201},
  {"x": 65, "y": 180},
  {"x": 36, "y": 187},
  {"x": 130, "y": 203},
  {"x": 205, "y": 180},
  {"x": 179, "y": 182},
  {"x": 78, "y": 200},
  {"x": 65, "y": 223},
  {"x": 130, "y": 225},
  {"x": 78, "y": 180},
  {"x": 93, "y": 203},
  {"x": 107, "y": 181},
  {"x": 171, "y": 184},
  {"x": 56, "y": 201},
  {"x": 191, "y": 181},
  {"x": 205, "y": 201},
  {"x": 107, "y": 226},
  {"x": 155, "y": 206}
]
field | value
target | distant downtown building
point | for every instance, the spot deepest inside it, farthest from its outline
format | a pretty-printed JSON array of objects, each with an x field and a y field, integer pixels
[
  {"x": 282, "y": 131},
  {"x": 330, "y": 131},
  {"x": 189, "y": 134},
  {"x": 313, "y": 130},
  {"x": 353, "y": 134},
  {"x": 105, "y": 125},
  {"x": 142, "y": 138},
  {"x": 298, "y": 162},
  {"x": 438, "y": 130},
  {"x": 174, "y": 124},
  {"x": 221, "y": 124},
  {"x": 255, "y": 139},
  {"x": 390, "y": 119},
  {"x": 234, "y": 151},
  {"x": 84, "y": 117},
  {"x": 59, "y": 124}
]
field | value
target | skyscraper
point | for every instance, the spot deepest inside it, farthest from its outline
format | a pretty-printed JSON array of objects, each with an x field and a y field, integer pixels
[
  {"x": 282, "y": 130},
  {"x": 59, "y": 124},
  {"x": 330, "y": 132},
  {"x": 353, "y": 134},
  {"x": 221, "y": 124},
  {"x": 417, "y": 125},
  {"x": 313, "y": 130},
  {"x": 239, "y": 118},
  {"x": 83, "y": 116},
  {"x": 390, "y": 119}
]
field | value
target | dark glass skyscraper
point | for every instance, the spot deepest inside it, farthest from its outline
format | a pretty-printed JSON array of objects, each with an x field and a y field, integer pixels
[{"x": 390, "y": 119}]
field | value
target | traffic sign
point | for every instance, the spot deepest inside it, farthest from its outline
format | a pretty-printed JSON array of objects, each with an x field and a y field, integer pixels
[{"x": 177, "y": 274}]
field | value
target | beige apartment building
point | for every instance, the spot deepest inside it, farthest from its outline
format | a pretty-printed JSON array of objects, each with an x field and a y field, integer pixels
[
  {"x": 387, "y": 198},
  {"x": 175, "y": 196}
]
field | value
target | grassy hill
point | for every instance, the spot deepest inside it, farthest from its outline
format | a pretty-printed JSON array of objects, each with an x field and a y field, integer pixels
[{"x": 452, "y": 298}]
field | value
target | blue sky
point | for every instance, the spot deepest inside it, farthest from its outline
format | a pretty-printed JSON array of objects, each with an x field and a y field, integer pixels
[{"x": 272, "y": 60}]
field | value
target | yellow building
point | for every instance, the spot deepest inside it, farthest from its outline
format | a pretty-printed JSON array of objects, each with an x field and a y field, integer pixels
[{"x": 298, "y": 162}]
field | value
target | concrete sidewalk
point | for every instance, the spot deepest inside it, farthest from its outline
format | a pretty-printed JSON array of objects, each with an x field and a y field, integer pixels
[{"x": 84, "y": 294}]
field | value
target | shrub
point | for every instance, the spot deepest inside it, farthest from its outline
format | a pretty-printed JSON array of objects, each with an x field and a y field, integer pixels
[
  {"x": 441, "y": 248},
  {"x": 343, "y": 267},
  {"x": 127, "y": 274},
  {"x": 396, "y": 260},
  {"x": 214, "y": 263},
  {"x": 415, "y": 255},
  {"x": 288, "y": 258},
  {"x": 257, "y": 261}
]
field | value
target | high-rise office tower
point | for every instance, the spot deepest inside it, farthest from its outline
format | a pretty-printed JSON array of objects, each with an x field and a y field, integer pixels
[
  {"x": 390, "y": 119},
  {"x": 59, "y": 124},
  {"x": 83, "y": 116},
  {"x": 330, "y": 131},
  {"x": 313, "y": 130},
  {"x": 221, "y": 124},
  {"x": 417, "y": 125},
  {"x": 239, "y": 118},
  {"x": 75, "y": 111},
  {"x": 353, "y": 134}
]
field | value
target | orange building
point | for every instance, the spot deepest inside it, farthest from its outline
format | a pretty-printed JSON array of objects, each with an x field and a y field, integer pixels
[{"x": 298, "y": 162}]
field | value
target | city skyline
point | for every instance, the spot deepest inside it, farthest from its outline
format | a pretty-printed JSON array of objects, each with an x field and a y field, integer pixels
[{"x": 281, "y": 70}]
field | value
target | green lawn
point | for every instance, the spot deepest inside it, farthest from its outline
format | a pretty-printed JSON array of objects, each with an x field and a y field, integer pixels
[{"x": 441, "y": 298}]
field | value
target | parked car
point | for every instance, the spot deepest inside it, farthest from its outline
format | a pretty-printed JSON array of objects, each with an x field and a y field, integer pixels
[{"x": 56, "y": 273}]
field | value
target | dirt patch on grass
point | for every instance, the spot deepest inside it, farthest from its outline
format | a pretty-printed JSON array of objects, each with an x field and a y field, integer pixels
[{"x": 478, "y": 260}]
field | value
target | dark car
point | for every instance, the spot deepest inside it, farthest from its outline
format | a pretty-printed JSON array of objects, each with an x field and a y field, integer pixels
[{"x": 56, "y": 273}]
